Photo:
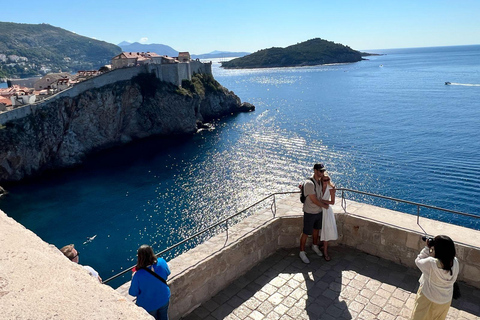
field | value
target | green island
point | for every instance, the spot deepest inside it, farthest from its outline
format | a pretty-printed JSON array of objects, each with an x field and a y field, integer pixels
[{"x": 309, "y": 53}]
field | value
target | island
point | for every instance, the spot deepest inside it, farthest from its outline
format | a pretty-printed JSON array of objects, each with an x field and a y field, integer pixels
[{"x": 309, "y": 53}]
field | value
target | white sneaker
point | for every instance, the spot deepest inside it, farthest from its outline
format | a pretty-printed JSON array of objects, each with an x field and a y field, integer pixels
[
  {"x": 303, "y": 256},
  {"x": 317, "y": 250}
]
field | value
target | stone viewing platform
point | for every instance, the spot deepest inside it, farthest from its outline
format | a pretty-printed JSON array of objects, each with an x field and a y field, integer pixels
[
  {"x": 252, "y": 272},
  {"x": 353, "y": 285}
]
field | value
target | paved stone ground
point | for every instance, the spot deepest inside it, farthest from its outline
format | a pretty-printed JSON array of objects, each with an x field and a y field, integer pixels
[{"x": 353, "y": 285}]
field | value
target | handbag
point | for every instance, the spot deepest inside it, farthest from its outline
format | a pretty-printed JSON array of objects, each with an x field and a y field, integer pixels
[
  {"x": 456, "y": 291},
  {"x": 153, "y": 273}
]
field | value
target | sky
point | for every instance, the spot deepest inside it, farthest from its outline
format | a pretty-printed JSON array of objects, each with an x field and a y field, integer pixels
[{"x": 247, "y": 25}]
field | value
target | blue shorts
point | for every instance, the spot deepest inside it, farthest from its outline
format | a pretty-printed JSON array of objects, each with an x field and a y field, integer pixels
[{"x": 312, "y": 221}]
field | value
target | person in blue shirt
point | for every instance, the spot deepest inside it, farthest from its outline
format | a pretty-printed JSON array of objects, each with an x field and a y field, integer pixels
[{"x": 152, "y": 293}]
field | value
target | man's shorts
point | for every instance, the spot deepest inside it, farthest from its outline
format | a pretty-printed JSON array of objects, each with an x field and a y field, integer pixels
[{"x": 312, "y": 221}]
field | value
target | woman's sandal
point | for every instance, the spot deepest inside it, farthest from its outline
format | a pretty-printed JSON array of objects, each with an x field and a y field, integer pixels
[{"x": 326, "y": 257}]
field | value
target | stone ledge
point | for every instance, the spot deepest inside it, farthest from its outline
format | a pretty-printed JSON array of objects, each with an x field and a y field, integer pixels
[{"x": 38, "y": 281}]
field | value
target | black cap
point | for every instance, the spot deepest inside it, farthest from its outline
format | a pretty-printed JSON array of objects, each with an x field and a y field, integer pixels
[{"x": 319, "y": 167}]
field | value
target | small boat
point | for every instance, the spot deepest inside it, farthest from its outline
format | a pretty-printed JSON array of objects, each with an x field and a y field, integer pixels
[{"x": 447, "y": 83}]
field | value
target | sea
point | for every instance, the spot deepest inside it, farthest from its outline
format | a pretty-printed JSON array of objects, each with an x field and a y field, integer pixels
[{"x": 387, "y": 125}]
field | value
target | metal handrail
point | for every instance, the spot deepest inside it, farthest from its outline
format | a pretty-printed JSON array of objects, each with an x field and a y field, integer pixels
[
  {"x": 344, "y": 205},
  {"x": 273, "y": 208}
]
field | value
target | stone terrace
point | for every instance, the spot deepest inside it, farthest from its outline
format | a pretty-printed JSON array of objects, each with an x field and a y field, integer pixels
[
  {"x": 353, "y": 285},
  {"x": 253, "y": 271}
]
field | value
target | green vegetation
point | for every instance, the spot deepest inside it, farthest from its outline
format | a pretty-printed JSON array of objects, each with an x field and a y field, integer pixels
[
  {"x": 50, "y": 49},
  {"x": 201, "y": 83},
  {"x": 309, "y": 53}
]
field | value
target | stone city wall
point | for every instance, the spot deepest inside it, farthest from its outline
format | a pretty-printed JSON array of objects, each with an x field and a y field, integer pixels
[
  {"x": 202, "y": 272},
  {"x": 173, "y": 73},
  {"x": 38, "y": 282}
]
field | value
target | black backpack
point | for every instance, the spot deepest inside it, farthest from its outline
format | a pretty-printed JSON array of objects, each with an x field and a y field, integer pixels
[{"x": 303, "y": 197}]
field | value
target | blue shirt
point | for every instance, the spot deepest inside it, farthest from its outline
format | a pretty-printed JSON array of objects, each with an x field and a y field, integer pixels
[{"x": 151, "y": 292}]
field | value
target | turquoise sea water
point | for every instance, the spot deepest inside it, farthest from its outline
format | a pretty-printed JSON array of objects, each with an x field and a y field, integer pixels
[{"x": 388, "y": 125}]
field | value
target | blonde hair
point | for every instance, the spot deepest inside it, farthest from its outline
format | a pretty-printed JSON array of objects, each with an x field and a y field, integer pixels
[{"x": 330, "y": 183}]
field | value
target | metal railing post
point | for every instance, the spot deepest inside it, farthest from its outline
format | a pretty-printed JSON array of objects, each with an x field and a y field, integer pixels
[{"x": 344, "y": 202}]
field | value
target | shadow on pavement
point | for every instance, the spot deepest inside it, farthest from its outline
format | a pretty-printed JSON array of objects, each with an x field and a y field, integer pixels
[{"x": 353, "y": 284}]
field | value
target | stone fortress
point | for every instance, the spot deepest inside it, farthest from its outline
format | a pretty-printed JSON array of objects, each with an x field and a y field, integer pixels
[{"x": 124, "y": 66}]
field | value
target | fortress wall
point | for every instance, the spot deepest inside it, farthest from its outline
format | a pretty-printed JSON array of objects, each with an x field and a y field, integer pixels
[
  {"x": 38, "y": 282},
  {"x": 173, "y": 73},
  {"x": 200, "y": 67},
  {"x": 202, "y": 272},
  {"x": 96, "y": 82}
]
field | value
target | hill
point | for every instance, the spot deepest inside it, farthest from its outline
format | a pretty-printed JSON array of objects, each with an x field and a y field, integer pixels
[
  {"x": 34, "y": 49},
  {"x": 160, "y": 49},
  {"x": 309, "y": 53}
]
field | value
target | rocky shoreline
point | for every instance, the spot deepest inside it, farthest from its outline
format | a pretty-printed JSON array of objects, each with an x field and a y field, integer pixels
[{"x": 62, "y": 132}]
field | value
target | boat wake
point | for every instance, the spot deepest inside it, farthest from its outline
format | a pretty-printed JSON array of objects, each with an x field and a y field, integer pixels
[{"x": 463, "y": 84}]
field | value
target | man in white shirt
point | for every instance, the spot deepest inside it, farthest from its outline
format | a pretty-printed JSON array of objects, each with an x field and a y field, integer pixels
[{"x": 71, "y": 253}]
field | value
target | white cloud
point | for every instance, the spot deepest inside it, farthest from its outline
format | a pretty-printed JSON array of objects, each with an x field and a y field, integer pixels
[{"x": 143, "y": 40}]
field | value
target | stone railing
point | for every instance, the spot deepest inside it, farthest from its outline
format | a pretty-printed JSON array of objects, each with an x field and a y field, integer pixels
[{"x": 202, "y": 272}]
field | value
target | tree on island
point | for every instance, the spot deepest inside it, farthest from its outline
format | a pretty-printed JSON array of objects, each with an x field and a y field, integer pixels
[{"x": 309, "y": 53}]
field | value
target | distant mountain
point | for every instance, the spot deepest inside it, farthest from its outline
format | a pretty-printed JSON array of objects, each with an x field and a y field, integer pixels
[
  {"x": 124, "y": 43},
  {"x": 34, "y": 49},
  {"x": 219, "y": 54},
  {"x": 160, "y": 49},
  {"x": 163, "y": 49},
  {"x": 309, "y": 53}
]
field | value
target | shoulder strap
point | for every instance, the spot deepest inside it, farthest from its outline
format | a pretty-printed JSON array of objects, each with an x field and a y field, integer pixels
[
  {"x": 155, "y": 275},
  {"x": 314, "y": 185}
]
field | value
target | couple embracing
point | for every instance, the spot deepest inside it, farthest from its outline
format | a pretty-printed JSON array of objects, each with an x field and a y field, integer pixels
[{"x": 318, "y": 216}]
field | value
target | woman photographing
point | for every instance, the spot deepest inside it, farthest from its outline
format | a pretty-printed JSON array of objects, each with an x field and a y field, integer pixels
[{"x": 439, "y": 273}]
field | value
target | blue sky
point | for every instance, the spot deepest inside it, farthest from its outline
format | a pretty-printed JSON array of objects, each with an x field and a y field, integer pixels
[{"x": 246, "y": 25}]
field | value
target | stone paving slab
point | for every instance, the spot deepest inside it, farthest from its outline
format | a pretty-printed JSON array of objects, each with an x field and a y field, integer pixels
[{"x": 353, "y": 285}]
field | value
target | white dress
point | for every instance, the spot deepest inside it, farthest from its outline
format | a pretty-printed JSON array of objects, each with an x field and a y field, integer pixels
[{"x": 329, "y": 225}]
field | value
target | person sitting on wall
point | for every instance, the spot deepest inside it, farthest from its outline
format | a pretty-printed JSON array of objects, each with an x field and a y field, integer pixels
[
  {"x": 71, "y": 253},
  {"x": 152, "y": 294}
]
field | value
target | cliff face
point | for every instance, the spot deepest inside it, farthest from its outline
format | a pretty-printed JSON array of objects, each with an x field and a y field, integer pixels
[{"x": 63, "y": 131}]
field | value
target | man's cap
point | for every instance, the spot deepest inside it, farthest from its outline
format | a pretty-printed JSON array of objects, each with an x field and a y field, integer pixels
[{"x": 319, "y": 167}]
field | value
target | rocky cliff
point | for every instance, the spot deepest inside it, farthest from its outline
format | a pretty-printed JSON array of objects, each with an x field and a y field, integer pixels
[{"x": 61, "y": 132}]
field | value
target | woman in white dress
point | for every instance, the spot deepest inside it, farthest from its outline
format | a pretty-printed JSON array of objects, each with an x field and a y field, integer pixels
[{"x": 329, "y": 225}]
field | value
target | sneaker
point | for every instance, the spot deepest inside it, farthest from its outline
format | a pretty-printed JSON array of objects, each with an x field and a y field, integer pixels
[
  {"x": 303, "y": 256},
  {"x": 317, "y": 250}
]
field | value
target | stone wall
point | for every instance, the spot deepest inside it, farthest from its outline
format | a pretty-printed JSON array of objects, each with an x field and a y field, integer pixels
[
  {"x": 202, "y": 272},
  {"x": 36, "y": 279},
  {"x": 38, "y": 282},
  {"x": 172, "y": 73}
]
